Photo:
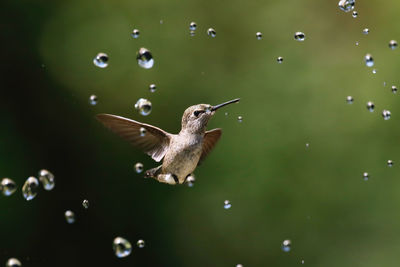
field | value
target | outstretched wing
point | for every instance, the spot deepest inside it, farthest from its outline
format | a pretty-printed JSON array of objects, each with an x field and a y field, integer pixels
[
  {"x": 154, "y": 142},
  {"x": 210, "y": 139}
]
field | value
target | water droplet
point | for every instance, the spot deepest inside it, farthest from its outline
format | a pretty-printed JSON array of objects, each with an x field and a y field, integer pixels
[
  {"x": 47, "y": 179},
  {"x": 138, "y": 167},
  {"x": 101, "y": 60},
  {"x": 370, "y": 106},
  {"x": 239, "y": 265},
  {"x": 144, "y": 58},
  {"x": 161, "y": 21},
  {"x": 299, "y": 36},
  {"x": 390, "y": 163},
  {"x": 386, "y": 114},
  {"x": 365, "y": 176},
  {"x": 135, "y": 33},
  {"x": 13, "y": 262},
  {"x": 355, "y": 14},
  {"x": 280, "y": 60},
  {"x": 365, "y": 31},
  {"x": 30, "y": 188},
  {"x": 226, "y": 113},
  {"x": 192, "y": 33},
  {"x": 140, "y": 243},
  {"x": 190, "y": 180},
  {"x": 307, "y": 145},
  {"x": 349, "y": 99},
  {"x": 227, "y": 204},
  {"x": 240, "y": 118},
  {"x": 93, "y": 100},
  {"x": 394, "y": 89},
  {"x": 211, "y": 32},
  {"x": 143, "y": 131},
  {"x": 122, "y": 247},
  {"x": 393, "y": 44},
  {"x": 384, "y": 84},
  {"x": 152, "y": 88},
  {"x": 346, "y": 5},
  {"x": 143, "y": 106},
  {"x": 369, "y": 61},
  {"x": 374, "y": 71},
  {"x": 286, "y": 245},
  {"x": 357, "y": 43},
  {"x": 69, "y": 216},
  {"x": 302, "y": 261},
  {"x": 85, "y": 203},
  {"x": 193, "y": 26},
  {"x": 8, "y": 186},
  {"x": 259, "y": 35}
]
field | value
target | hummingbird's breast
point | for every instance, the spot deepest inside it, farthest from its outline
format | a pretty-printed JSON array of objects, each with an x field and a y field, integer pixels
[{"x": 183, "y": 155}]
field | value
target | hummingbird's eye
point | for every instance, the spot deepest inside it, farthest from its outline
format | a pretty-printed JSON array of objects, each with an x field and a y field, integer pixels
[{"x": 197, "y": 112}]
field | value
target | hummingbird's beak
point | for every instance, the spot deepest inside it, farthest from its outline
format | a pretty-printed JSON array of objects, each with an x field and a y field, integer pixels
[{"x": 214, "y": 108}]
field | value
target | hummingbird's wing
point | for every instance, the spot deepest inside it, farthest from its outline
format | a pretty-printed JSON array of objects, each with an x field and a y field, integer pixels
[
  {"x": 154, "y": 142},
  {"x": 210, "y": 139}
]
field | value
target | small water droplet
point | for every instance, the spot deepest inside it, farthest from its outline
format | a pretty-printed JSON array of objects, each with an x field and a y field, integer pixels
[
  {"x": 384, "y": 84},
  {"x": 226, "y": 113},
  {"x": 365, "y": 176},
  {"x": 30, "y": 188},
  {"x": 101, "y": 60},
  {"x": 349, "y": 99},
  {"x": 355, "y": 14},
  {"x": 240, "y": 118},
  {"x": 122, "y": 247},
  {"x": 394, "y": 89},
  {"x": 190, "y": 180},
  {"x": 143, "y": 131},
  {"x": 307, "y": 145},
  {"x": 69, "y": 216},
  {"x": 192, "y": 33},
  {"x": 239, "y": 265},
  {"x": 47, "y": 179},
  {"x": 161, "y": 21},
  {"x": 390, "y": 163},
  {"x": 152, "y": 88},
  {"x": 302, "y": 261},
  {"x": 393, "y": 44},
  {"x": 192, "y": 26},
  {"x": 211, "y": 32},
  {"x": 369, "y": 61},
  {"x": 346, "y": 5},
  {"x": 370, "y": 106},
  {"x": 280, "y": 60},
  {"x": 85, "y": 203},
  {"x": 227, "y": 204},
  {"x": 138, "y": 167},
  {"x": 357, "y": 43},
  {"x": 144, "y": 58},
  {"x": 259, "y": 35},
  {"x": 143, "y": 106},
  {"x": 365, "y": 31},
  {"x": 286, "y": 245},
  {"x": 135, "y": 33},
  {"x": 8, "y": 186},
  {"x": 374, "y": 71},
  {"x": 93, "y": 100},
  {"x": 140, "y": 243},
  {"x": 13, "y": 262},
  {"x": 299, "y": 36},
  {"x": 386, "y": 114}
]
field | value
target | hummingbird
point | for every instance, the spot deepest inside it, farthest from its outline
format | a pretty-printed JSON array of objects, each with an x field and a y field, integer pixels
[{"x": 181, "y": 153}]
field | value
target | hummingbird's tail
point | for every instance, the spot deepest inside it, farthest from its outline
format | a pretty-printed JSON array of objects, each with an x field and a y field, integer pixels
[{"x": 152, "y": 173}]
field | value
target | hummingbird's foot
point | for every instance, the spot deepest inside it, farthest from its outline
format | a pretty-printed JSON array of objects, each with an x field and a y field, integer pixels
[{"x": 168, "y": 179}]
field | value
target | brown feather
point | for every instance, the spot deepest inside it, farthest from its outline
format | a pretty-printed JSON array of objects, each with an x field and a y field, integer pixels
[{"x": 210, "y": 140}]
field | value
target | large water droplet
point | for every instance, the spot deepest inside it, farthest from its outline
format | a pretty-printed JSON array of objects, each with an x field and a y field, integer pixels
[
  {"x": 346, "y": 5},
  {"x": 393, "y": 44},
  {"x": 299, "y": 36},
  {"x": 93, "y": 100},
  {"x": 138, "y": 167},
  {"x": 122, "y": 247},
  {"x": 365, "y": 31},
  {"x": 349, "y": 99},
  {"x": 85, "y": 203},
  {"x": 30, "y": 188},
  {"x": 369, "y": 61},
  {"x": 13, "y": 262},
  {"x": 211, "y": 32},
  {"x": 152, "y": 88},
  {"x": 144, "y": 58},
  {"x": 227, "y": 204},
  {"x": 69, "y": 216},
  {"x": 370, "y": 106},
  {"x": 355, "y": 14},
  {"x": 365, "y": 176},
  {"x": 101, "y": 60},
  {"x": 143, "y": 106},
  {"x": 135, "y": 33},
  {"x": 47, "y": 179},
  {"x": 192, "y": 26},
  {"x": 390, "y": 163},
  {"x": 140, "y": 243},
  {"x": 279, "y": 60},
  {"x": 259, "y": 35},
  {"x": 386, "y": 114},
  {"x": 8, "y": 186},
  {"x": 190, "y": 180},
  {"x": 394, "y": 89},
  {"x": 286, "y": 245}
]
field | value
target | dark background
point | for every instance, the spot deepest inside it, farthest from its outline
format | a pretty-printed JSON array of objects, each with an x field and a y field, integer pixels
[{"x": 279, "y": 188}]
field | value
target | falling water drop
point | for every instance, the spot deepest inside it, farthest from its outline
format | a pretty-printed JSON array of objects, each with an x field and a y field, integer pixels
[
  {"x": 365, "y": 176},
  {"x": 85, "y": 203},
  {"x": 365, "y": 31},
  {"x": 346, "y": 5},
  {"x": 211, "y": 32},
  {"x": 138, "y": 167},
  {"x": 93, "y": 100},
  {"x": 101, "y": 60},
  {"x": 386, "y": 114},
  {"x": 299, "y": 36},
  {"x": 240, "y": 118},
  {"x": 393, "y": 44},
  {"x": 227, "y": 204},
  {"x": 349, "y": 99},
  {"x": 390, "y": 163},
  {"x": 190, "y": 180},
  {"x": 8, "y": 186},
  {"x": 394, "y": 89},
  {"x": 143, "y": 106},
  {"x": 145, "y": 58},
  {"x": 152, "y": 88},
  {"x": 259, "y": 35},
  {"x": 13, "y": 262},
  {"x": 370, "y": 106},
  {"x": 143, "y": 131},
  {"x": 286, "y": 245},
  {"x": 135, "y": 33},
  {"x": 30, "y": 188},
  {"x": 69, "y": 216},
  {"x": 140, "y": 243},
  {"x": 279, "y": 60},
  {"x": 47, "y": 179},
  {"x": 355, "y": 14},
  {"x": 369, "y": 61},
  {"x": 192, "y": 26},
  {"x": 122, "y": 247}
]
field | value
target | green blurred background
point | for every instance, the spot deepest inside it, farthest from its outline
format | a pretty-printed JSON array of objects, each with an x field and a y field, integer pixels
[{"x": 279, "y": 188}]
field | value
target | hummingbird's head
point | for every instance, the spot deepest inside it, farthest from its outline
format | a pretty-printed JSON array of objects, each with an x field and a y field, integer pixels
[{"x": 195, "y": 118}]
